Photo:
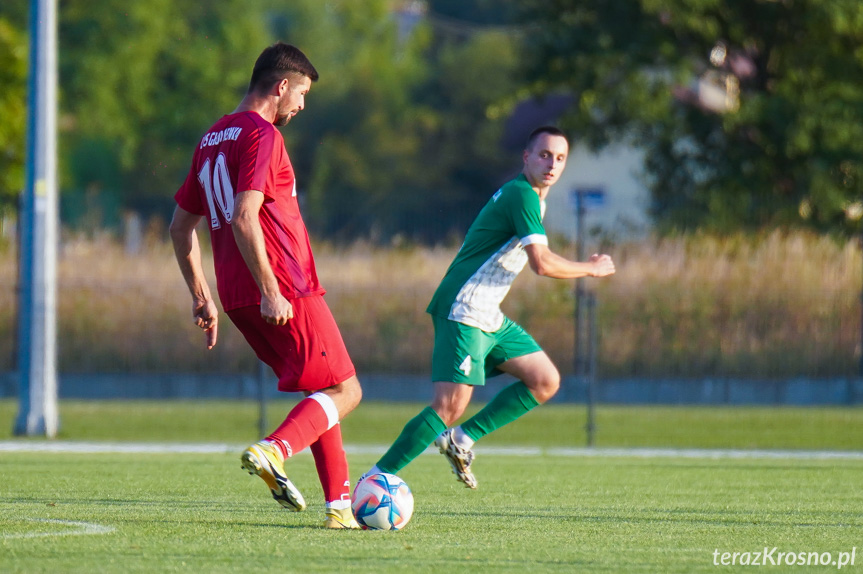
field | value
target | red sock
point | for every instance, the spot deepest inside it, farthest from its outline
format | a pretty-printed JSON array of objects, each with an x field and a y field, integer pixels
[
  {"x": 304, "y": 424},
  {"x": 332, "y": 465}
]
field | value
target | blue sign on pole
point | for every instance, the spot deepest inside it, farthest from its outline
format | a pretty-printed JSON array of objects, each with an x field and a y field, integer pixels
[{"x": 587, "y": 197}]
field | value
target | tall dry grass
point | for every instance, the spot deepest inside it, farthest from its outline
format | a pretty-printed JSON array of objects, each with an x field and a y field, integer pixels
[
  {"x": 771, "y": 305},
  {"x": 775, "y": 305}
]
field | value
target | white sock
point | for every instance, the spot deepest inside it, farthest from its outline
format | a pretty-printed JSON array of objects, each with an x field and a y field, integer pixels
[
  {"x": 461, "y": 439},
  {"x": 339, "y": 504},
  {"x": 329, "y": 407}
]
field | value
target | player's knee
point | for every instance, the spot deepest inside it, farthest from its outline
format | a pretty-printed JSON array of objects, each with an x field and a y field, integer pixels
[
  {"x": 450, "y": 401},
  {"x": 553, "y": 384},
  {"x": 346, "y": 395},
  {"x": 545, "y": 385},
  {"x": 355, "y": 394}
]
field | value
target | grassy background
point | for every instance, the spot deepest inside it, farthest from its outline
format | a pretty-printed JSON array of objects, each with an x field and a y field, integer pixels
[
  {"x": 769, "y": 306},
  {"x": 182, "y": 513},
  {"x": 775, "y": 305},
  {"x": 378, "y": 423},
  {"x": 177, "y": 512}
]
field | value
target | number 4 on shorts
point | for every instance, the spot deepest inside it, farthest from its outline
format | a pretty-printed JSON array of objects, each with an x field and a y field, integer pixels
[{"x": 465, "y": 365}]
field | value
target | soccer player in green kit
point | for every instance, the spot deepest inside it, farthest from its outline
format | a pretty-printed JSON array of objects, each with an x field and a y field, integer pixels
[{"x": 473, "y": 338}]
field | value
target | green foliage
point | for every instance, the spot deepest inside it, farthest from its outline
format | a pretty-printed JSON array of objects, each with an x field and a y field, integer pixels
[
  {"x": 13, "y": 96},
  {"x": 397, "y": 137},
  {"x": 494, "y": 12},
  {"x": 141, "y": 82},
  {"x": 401, "y": 136},
  {"x": 785, "y": 145}
]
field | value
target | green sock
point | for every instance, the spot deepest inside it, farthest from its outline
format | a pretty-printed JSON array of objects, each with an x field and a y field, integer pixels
[
  {"x": 509, "y": 404},
  {"x": 417, "y": 435}
]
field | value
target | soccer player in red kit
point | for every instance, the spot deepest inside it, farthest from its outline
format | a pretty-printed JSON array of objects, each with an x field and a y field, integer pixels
[{"x": 241, "y": 181}]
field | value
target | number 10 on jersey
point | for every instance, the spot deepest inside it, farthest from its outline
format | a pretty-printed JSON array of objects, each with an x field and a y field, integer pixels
[{"x": 218, "y": 189}]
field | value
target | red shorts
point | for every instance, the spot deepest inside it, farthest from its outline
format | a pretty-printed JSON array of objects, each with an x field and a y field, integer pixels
[{"x": 307, "y": 354}]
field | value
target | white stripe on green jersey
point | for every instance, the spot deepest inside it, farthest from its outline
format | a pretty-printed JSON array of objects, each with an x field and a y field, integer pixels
[{"x": 491, "y": 257}]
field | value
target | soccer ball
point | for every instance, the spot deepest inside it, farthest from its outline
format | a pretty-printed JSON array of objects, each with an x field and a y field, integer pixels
[{"x": 382, "y": 502}]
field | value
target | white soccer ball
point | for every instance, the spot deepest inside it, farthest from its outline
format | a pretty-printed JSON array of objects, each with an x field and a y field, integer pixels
[{"x": 382, "y": 502}]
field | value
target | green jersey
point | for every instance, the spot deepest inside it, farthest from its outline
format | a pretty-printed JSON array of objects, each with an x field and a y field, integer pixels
[{"x": 491, "y": 257}]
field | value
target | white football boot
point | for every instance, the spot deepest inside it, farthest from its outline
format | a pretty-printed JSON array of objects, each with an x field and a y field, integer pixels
[{"x": 459, "y": 458}]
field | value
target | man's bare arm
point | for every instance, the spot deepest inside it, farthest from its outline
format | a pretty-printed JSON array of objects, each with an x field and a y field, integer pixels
[
  {"x": 246, "y": 225},
  {"x": 549, "y": 264},
  {"x": 188, "y": 253}
]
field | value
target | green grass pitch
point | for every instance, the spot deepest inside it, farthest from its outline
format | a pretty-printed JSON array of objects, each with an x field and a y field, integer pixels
[
  {"x": 378, "y": 423},
  {"x": 200, "y": 513},
  {"x": 174, "y": 512}
]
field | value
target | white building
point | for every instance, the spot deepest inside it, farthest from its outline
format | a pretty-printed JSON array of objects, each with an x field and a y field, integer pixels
[
  {"x": 615, "y": 170},
  {"x": 623, "y": 208}
]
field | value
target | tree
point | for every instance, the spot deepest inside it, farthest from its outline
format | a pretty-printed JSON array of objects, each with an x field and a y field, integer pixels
[
  {"x": 356, "y": 142},
  {"x": 13, "y": 96},
  {"x": 750, "y": 112},
  {"x": 140, "y": 83},
  {"x": 398, "y": 138}
]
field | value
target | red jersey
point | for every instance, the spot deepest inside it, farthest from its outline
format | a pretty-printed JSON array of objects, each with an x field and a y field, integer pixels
[{"x": 243, "y": 152}]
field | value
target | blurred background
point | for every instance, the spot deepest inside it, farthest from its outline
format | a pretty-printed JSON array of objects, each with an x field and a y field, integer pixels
[{"x": 717, "y": 148}]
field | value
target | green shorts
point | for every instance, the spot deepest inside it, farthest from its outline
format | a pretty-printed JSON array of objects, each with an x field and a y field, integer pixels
[{"x": 468, "y": 355}]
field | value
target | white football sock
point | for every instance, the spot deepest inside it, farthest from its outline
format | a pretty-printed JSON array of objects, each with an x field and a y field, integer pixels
[
  {"x": 329, "y": 407},
  {"x": 461, "y": 439}
]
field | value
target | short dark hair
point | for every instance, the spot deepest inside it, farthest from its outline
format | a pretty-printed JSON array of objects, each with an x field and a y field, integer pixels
[
  {"x": 276, "y": 63},
  {"x": 550, "y": 130}
]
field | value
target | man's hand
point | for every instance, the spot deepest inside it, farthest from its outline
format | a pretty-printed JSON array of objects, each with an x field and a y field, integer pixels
[
  {"x": 206, "y": 317},
  {"x": 602, "y": 265},
  {"x": 276, "y": 310}
]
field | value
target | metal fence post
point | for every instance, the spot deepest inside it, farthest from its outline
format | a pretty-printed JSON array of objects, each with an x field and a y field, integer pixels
[
  {"x": 591, "y": 368},
  {"x": 37, "y": 291},
  {"x": 262, "y": 399}
]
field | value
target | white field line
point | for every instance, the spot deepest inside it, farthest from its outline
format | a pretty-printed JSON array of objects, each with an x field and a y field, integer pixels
[
  {"x": 223, "y": 448},
  {"x": 81, "y": 528}
]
